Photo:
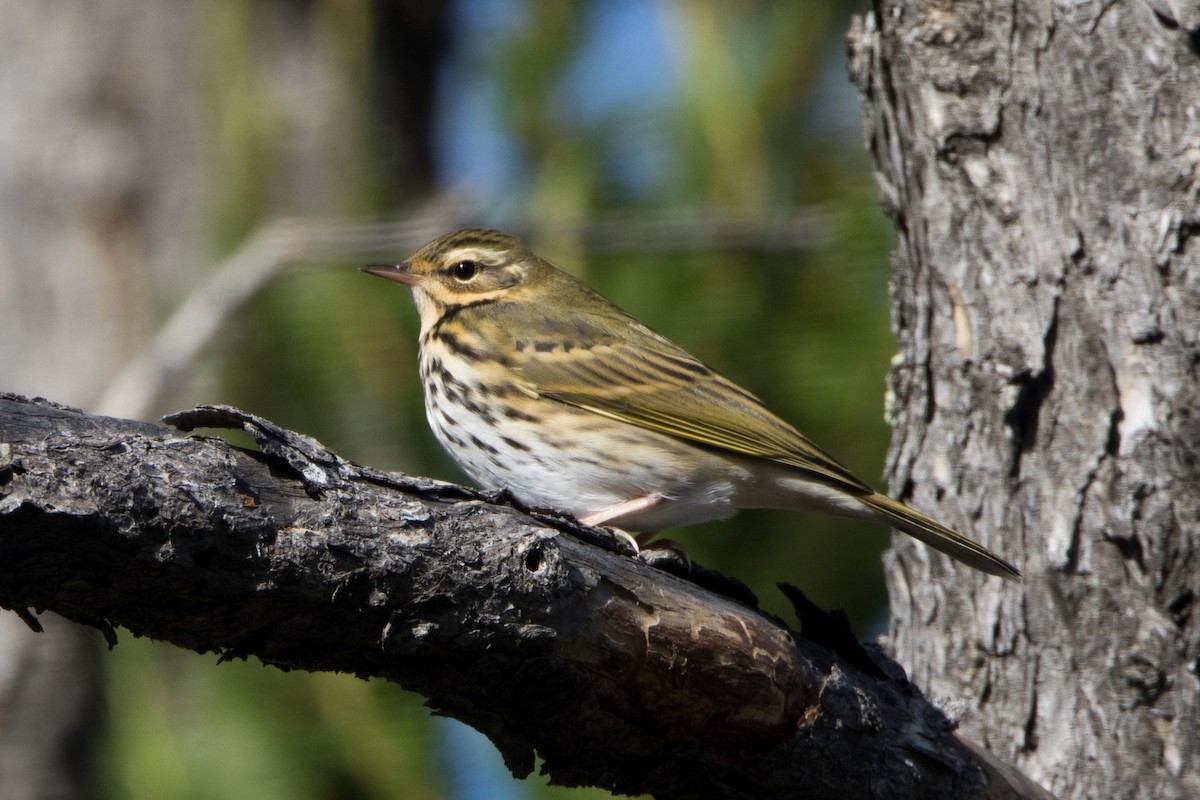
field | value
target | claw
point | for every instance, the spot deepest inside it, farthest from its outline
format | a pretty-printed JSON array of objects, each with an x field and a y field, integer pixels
[{"x": 624, "y": 535}]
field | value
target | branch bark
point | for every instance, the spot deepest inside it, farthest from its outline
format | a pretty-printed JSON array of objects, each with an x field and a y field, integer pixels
[{"x": 536, "y": 631}]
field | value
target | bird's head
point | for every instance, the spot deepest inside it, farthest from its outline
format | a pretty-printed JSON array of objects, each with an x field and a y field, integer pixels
[{"x": 467, "y": 267}]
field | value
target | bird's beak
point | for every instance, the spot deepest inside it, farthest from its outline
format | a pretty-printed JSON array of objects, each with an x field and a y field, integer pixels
[{"x": 401, "y": 273}]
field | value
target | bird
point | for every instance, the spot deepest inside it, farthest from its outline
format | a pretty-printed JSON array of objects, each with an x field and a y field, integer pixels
[{"x": 537, "y": 384}]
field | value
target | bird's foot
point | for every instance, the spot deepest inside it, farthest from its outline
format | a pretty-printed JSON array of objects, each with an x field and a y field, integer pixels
[
  {"x": 626, "y": 537},
  {"x": 665, "y": 554}
]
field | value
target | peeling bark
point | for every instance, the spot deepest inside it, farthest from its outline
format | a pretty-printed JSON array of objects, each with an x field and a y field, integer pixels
[{"x": 542, "y": 634}]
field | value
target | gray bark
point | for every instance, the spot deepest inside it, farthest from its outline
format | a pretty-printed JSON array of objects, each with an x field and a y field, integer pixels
[
  {"x": 1042, "y": 163},
  {"x": 528, "y": 627}
]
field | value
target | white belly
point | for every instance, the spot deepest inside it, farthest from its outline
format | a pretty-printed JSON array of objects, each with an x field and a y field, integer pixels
[{"x": 575, "y": 461}]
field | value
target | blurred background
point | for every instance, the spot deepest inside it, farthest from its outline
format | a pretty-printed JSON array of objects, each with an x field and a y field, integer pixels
[{"x": 188, "y": 188}]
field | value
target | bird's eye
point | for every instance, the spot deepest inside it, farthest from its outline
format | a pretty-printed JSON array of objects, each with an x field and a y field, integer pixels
[{"x": 465, "y": 270}]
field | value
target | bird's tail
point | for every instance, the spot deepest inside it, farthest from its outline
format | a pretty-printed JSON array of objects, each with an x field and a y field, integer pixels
[{"x": 938, "y": 536}]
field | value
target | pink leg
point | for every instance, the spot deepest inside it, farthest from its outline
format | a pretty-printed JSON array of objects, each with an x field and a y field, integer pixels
[
  {"x": 599, "y": 518},
  {"x": 642, "y": 541},
  {"x": 622, "y": 509}
]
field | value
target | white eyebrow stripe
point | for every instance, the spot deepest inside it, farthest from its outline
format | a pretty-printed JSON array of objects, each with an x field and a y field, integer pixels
[{"x": 474, "y": 254}]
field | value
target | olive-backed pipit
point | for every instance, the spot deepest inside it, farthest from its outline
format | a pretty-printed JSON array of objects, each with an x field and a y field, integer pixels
[{"x": 535, "y": 383}]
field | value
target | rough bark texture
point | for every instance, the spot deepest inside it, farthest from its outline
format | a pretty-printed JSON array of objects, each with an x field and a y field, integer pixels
[
  {"x": 1042, "y": 163},
  {"x": 617, "y": 674}
]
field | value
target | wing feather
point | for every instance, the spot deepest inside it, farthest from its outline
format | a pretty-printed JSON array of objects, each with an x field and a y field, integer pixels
[{"x": 643, "y": 379}]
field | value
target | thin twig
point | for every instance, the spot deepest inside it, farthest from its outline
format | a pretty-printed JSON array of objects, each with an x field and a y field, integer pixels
[{"x": 284, "y": 242}]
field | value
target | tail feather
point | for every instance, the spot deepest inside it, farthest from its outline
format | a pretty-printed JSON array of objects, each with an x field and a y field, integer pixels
[{"x": 939, "y": 537}]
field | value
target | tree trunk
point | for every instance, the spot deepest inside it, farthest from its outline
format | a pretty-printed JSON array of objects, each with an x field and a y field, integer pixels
[{"x": 1042, "y": 164}]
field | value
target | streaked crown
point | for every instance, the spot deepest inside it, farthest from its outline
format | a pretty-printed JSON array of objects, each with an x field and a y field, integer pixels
[{"x": 468, "y": 266}]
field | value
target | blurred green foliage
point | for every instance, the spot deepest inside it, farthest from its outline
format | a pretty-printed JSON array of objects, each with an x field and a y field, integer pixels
[{"x": 332, "y": 353}]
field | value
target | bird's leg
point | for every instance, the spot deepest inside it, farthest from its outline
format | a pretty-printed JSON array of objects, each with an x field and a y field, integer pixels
[
  {"x": 641, "y": 542},
  {"x": 624, "y": 508}
]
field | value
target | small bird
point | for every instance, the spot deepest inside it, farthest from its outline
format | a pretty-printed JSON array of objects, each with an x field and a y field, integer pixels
[{"x": 536, "y": 384}]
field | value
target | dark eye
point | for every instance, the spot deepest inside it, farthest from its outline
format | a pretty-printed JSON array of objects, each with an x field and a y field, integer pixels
[{"x": 465, "y": 270}]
